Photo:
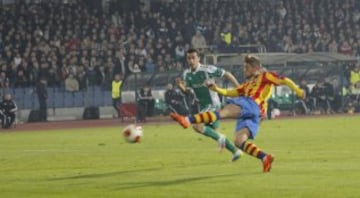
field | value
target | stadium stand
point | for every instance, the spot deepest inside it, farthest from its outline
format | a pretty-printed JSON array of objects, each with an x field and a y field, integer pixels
[{"x": 94, "y": 39}]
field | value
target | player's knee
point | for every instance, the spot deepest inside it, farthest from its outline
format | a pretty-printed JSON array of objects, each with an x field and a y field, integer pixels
[
  {"x": 238, "y": 143},
  {"x": 198, "y": 128},
  {"x": 239, "y": 140}
]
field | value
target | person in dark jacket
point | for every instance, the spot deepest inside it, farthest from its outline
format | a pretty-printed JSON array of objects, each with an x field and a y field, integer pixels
[
  {"x": 317, "y": 96},
  {"x": 146, "y": 103},
  {"x": 329, "y": 92},
  {"x": 305, "y": 105},
  {"x": 174, "y": 100},
  {"x": 192, "y": 102},
  {"x": 8, "y": 108},
  {"x": 42, "y": 97}
]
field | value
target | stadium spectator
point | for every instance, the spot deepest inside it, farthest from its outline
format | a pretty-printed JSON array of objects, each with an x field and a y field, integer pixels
[
  {"x": 120, "y": 64},
  {"x": 81, "y": 78},
  {"x": 179, "y": 52},
  {"x": 355, "y": 76},
  {"x": 192, "y": 103},
  {"x": 149, "y": 65},
  {"x": 305, "y": 104},
  {"x": 346, "y": 48},
  {"x": 1, "y": 45},
  {"x": 333, "y": 46},
  {"x": 355, "y": 86},
  {"x": 116, "y": 93},
  {"x": 329, "y": 95},
  {"x": 41, "y": 90},
  {"x": 322, "y": 96},
  {"x": 8, "y": 108},
  {"x": 54, "y": 79},
  {"x": 281, "y": 10},
  {"x": 317, "y": 97},
  {"x": 351, "y": 99},
  {"x": 146, "y": 103},
  {"x": 174, "y": 100},
  {"x": 21, "y": 80},
  {"x": 198, "y": 41},
  {"x": 71, "y": 83},
  {"x": 79, "y": 33}
]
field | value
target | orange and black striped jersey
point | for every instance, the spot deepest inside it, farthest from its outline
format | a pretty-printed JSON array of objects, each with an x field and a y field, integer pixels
[{"x": 260, "y": 87}]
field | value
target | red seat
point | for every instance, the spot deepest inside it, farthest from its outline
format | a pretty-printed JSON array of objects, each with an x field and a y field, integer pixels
[{"x": 128, "y": 110}]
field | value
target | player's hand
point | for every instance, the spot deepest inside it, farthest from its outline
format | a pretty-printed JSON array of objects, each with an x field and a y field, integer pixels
[
  {"x": 301, "y": 94},
  {"x": 179, "y": 82},
  {"x": 211, "y": 84}
]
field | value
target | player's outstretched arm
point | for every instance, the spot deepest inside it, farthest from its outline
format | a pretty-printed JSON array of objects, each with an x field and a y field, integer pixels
[
  {"x": 277, "y": 80},
  {"x": 225, "y": 92},
  {"x": 299, "y": 92}
]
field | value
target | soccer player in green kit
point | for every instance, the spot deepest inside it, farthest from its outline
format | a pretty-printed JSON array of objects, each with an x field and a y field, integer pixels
[{"x": 195, "y": 79}]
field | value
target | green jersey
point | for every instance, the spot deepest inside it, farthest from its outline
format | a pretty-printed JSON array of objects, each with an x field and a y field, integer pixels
[{"x": 208, "y": 100}]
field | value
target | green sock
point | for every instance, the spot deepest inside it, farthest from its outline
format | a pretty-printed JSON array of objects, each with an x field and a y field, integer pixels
[
  {"x": 210, "y": 132},
  {"x": 230, "y": 146}
]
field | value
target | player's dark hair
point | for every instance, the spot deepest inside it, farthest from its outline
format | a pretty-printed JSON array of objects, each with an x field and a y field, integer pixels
[{"x": 193, "y": 50}]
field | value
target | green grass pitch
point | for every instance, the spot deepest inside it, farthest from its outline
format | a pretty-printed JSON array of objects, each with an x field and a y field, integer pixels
[{"x": 315, "y": 157}]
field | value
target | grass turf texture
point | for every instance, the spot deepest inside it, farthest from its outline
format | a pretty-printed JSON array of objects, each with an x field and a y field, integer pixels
[{"x": 315, "y": 157}]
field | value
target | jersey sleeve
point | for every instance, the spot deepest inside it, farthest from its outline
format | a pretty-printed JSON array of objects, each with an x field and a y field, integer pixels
[
  {"x": 273, "y": 78},
  {"x": 280, "y": 80},
  {"x": 241, "y": 89},
  {"x": 231, "y": 92},
  {"x": 215, "y": 72}
]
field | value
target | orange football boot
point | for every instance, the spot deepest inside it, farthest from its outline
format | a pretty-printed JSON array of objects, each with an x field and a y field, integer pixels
[
  {"x": 181, "y": 120},
  {"x": 267, "y": 163}
]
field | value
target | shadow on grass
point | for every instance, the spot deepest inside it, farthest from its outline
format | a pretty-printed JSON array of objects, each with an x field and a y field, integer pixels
[
  {"x": 177, "y": 181},
  {"x": 114, "y": 173},
  {"x": 101, "y": 175}
]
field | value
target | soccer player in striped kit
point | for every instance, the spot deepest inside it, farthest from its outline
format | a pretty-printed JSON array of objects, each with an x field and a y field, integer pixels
[{"x": 248, "y": 105}]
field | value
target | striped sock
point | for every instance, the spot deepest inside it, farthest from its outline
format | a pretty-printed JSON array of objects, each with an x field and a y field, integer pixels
[
  {"x": 252, "y": 150},
  {"x": 206, "y": 117}
]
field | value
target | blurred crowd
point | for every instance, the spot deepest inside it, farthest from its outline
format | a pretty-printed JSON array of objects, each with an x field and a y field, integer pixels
[
  {"x": 87, "y": 42},
  {"x": 329, "y": 95}
]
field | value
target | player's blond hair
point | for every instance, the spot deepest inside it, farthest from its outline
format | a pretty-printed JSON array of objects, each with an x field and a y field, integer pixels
[{"x": 252, "y": 60}]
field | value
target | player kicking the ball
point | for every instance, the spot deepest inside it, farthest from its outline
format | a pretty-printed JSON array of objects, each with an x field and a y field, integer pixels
[
  {"x": 248, "y": 106},
  {"x": 194, "y": 79}
]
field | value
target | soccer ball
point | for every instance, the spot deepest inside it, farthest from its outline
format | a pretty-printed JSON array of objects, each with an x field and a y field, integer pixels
[
  {"x": 275, "y": 113},
  {"x": 132, "y": 133}
]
